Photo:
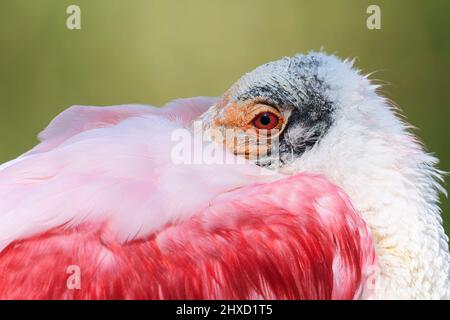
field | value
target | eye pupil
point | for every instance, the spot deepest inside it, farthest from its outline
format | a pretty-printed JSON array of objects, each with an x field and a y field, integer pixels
[{"x": 265, "y": 119}]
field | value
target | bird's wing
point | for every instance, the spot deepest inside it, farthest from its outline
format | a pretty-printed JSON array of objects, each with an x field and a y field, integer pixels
[
  {"x": 117, "y": 173},
  {"x": 77, "y": 119},
  {"x": 112, "y": 201},
  {"x": 296, "y": 238}
]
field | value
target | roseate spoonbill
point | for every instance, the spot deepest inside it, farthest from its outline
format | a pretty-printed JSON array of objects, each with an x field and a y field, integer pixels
[{"x": 349, "y": 209}]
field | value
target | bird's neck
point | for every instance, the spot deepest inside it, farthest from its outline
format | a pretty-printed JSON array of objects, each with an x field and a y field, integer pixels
[{"x": 397, "y": 193}]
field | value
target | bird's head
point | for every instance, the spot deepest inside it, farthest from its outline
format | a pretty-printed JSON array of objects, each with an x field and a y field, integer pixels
[
  {"x": 303, "y": 112},
  {"x": 316, "y": 113}
]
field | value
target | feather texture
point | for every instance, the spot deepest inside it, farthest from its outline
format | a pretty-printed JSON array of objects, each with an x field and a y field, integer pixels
[{"x": 101, "y": 192}]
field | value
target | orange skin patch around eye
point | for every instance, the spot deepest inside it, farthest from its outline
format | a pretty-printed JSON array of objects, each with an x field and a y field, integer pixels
[
  {"x": 239, "y": 116},
  {"x": 232, "y": 115}
]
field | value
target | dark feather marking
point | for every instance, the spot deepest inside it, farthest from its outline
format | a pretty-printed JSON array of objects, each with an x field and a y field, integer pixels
[{"x": 311, "y": 109}]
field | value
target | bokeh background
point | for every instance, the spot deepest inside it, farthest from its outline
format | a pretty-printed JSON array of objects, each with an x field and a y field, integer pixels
[{"x": 143, "y": 51}]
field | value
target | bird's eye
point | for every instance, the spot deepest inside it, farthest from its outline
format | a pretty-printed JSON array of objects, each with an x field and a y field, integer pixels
[{"x": 266, "y": 121}]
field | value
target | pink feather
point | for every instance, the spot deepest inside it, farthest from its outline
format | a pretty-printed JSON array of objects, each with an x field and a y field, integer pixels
[{"x": 101, "y": 192}]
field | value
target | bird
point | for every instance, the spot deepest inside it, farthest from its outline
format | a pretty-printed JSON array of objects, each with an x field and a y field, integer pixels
[{"x": 328, "y": 195}]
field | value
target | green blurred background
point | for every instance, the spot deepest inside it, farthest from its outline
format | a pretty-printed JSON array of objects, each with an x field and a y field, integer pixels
[{"x": 154, "y": 51}]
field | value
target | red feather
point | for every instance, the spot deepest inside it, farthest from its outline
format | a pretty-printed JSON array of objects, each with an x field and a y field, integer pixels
[{"x": 296, "y": 238}]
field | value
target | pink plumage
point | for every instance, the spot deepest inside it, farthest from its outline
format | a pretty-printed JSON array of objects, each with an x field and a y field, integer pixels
[{"x": 100, "y": 192}]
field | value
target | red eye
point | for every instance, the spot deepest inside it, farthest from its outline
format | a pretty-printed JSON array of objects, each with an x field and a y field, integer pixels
[{"x": 266, "y": 121}]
